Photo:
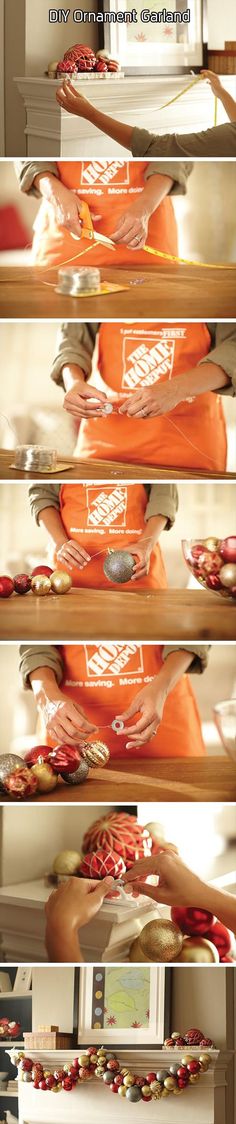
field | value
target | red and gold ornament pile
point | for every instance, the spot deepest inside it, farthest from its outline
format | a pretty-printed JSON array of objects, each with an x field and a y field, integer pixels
[
  {"x": 199, "y": 923},
  {"x": 213, "y": 563},
  {"x": 80, "y": 58},
  {"x": 99, "y": 1062},
  {"x": 38, "y": 772},
  {"x": 192, "y": 1037},
  {"x": 119, "y": 832},
  {"x": 41, "y": 581}
]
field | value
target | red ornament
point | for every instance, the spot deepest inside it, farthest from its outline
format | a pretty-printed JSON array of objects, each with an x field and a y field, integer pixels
[
  {"x": 182, "y": 1082},
  {"x": 192, "y": 921},
  {"x": 50, "y": 1081},
  {"x": 66, "y": 67},
  {"x": 101, "y": 65},
  {"x": 98, "y": 864},
  {"x": 32, "y": 757},
  {"x": 113, "y": 1087},
  {"x": 233, "y": 592},
  {"x": 220, "y": 936},
  {"x": 183, "y": 1072},
  {"x": 112, "y": 64},
  {"x": 64, "y": 758},
  {"x": 59, "y": 1075},
  {"x": 67, "y": 1084},
  {"x": 113, "y": 1065},
  {"x": 6, "y": 586},
  {"x": 206, "y": 1042},
  {"x": 213, "y": 582},
  {"x": 46, "y": 570},
  {"x": 26, "y": 1065},
  {"x": 194, "y": 1036},
  {"x": 78, "y": 48},
  {"x": 118, "y": 1080},
  {"x": 179, "y": 1042},
  {"x": 225, "y": 960},
  {"x": 20, "y": 784},
  {"x": 193, "y": 1067},
  {"x": 196, "y": 554},
  {"x": 42, "y": 1084},
  {"x": 150, "y": 1077},
  {"x": 120, "y": 832},
  {"x": 228, "y": 549},
  {"x": 22, "y": 583}
]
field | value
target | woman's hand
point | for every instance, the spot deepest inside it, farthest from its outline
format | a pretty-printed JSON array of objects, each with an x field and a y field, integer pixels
[
  {"x": 142, "y": 549},
  {"x": 152, "y": 401},
  {"x": 149, "y": 702},
  {"x": 132, "y": 228},
  {"x": 71, "y": 100},
  {"x": 177, "y": 884},
  {"x": 65, "y": 204},
  {"x": 214, "y": 81},
  {"x": 64, "y": 719},
  {"x": 73, "y": 554},
  {"x": 83, "y": 401},
  {"x": 68, "y": 909}
]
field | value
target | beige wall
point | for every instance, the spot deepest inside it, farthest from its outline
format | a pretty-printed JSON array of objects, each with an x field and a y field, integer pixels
[
  {"x": 221, "y": 22},
  {"x": 52, "y": 40},
  {"x": 29, "y": 847},
  {"x": 14, "y": 64},
  {"x": 53, "y": 998}
]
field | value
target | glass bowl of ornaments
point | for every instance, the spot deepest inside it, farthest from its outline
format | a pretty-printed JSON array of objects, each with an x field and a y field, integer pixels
[
  {"x": 225, "y": 720},
  {"x": 212, "y": 561}
]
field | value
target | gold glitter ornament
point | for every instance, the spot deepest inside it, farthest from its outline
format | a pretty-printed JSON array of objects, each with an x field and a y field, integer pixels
[
  {"x": 211, "y": 543},
  {"x": 60, "y": 581},
  {"x": 205, "y": 1060},
  {"x": 161, "y": 940},
  {"x": 95, "y": 754},
  {"x": 194, "y": 1077},
  {"x": 129, "y": 1079},
  {"x": 41, "y": 585},
  {"x": 155, "y": 1086},
  {"x": 136, "y": 955}
]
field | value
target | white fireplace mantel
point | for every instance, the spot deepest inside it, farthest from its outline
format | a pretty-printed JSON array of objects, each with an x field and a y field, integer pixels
[
  {"x": 200, "y": 1104},
  {"x": 51, "y": 132}
]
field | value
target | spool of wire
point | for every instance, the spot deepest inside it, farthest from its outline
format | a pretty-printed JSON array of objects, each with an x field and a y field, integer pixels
[
  {"x": 73, "y": 281},
  {"x": 30, "y": 458}
]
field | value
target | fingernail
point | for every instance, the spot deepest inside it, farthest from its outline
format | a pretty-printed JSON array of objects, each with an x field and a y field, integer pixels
[{"x": 109, "y": 880}]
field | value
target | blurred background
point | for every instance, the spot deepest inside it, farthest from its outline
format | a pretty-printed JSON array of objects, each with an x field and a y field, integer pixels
[{"x": 19, "y": 716}]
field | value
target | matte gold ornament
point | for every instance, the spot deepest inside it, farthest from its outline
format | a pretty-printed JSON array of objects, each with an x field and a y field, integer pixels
[
  {"x": 95, "y": 754},
  {"x": 45, "y": 777},
  {"x": 161, "y": 940},
  {"x": 41, "y": 585},
  {"x": 165, "y": 1092},
  {"x": 177, "y": 1092},
  {"x": 66, "y": 862},
  {"x": 193, "y": 1078},
  {"x": 129, "y": 1079},
  {"x": 170, "y": 1083},
  {"x": 187, "y": 1058},
  {"x": 198, "y": 950},
  {"x": 227, "y": 575},
  {"x": 122, "y": 1091},
  {"x": 205, "y": 1060},
  {"x": 60, "y": 581}
]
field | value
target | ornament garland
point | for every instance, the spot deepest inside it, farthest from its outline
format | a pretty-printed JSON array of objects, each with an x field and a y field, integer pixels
[
  {"x": 100, "y": 1063},
  {"x": 39, "y": 770},
  {"x": 41, "y": 581}
]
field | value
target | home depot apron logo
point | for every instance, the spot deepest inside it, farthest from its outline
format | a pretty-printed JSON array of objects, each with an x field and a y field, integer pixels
[
  {"x": 145, "y": 364},
  {"x": 111, "y": 659},
  {"x": 104, "y": 172},
  {"x": 104, "y": 509}
]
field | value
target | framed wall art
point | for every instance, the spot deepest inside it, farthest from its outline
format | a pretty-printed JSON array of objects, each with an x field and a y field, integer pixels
[
  {"x": 124, "y": 1005},
  {"x": 145, "y": 44}
]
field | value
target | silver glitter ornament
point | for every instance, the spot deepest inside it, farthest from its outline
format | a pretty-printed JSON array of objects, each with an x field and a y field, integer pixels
[{"x": 79, "y": 776}]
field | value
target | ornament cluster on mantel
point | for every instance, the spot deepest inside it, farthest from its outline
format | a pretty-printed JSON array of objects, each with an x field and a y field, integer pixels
[
  {"x": 101, "y": 1063},
  {"x": 80, "y": 60}
]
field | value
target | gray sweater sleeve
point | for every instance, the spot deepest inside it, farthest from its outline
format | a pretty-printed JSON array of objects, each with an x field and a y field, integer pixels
[
  {"x": 43, "y": 495},
  {"x": 178, "y": 170},
  {"x": 39, "y": 655},
  {"x": 75, "y": 344},
  {"x": 200, "y": 654},
  {"x": 26, "y": 170},
  {"x": 223, "y": 352}
]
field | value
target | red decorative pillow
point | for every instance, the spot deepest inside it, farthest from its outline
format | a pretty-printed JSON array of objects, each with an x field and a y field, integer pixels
[{"x": 13, "y": 232}]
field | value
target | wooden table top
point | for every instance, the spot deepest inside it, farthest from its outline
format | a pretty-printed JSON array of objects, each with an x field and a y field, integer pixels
[
  {"x": 166, "y": 290},
  {"x": 93, "y": 615},
  {"x": 81, "y": 469},
  {"x": 124, "y": 781}
]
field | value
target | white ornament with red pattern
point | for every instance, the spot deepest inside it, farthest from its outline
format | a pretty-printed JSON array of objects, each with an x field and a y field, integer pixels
[{"x": 98, "y": 864}]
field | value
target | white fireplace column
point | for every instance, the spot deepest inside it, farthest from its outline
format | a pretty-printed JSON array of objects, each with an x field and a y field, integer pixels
[{"x": 203, "y": 1103}]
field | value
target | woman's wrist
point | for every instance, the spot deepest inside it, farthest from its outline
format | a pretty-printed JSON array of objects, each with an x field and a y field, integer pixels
[{"x": 72, "y": 374}]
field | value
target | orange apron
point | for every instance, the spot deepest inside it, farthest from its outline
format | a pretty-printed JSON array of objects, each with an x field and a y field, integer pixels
[
  {"x": 109, "y": 187},
  {"x": 137, "y": 355},
  {"x": 100, "y": 517},
  {"x": 104, "y": 678}
]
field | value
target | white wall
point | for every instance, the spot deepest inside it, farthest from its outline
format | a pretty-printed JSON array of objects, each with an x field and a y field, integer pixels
[
  {"x": 221, "y": 22},
  {"x": 14, "y": 64},
  {"x": 53, "y": 998}
]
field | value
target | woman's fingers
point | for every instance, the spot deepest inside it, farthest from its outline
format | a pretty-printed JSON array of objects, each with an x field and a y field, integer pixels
[
  {"x": 144, "y": 737},
  {"x": 74, "y": 553}
]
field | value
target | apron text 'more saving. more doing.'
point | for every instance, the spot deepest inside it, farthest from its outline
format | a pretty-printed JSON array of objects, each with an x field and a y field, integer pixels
[
  {"x": 133, "y": 356},
  {"x": 109, "y": 187},
  {"x": 105, "y": 678},
  {"x": 102, "y": 517}
]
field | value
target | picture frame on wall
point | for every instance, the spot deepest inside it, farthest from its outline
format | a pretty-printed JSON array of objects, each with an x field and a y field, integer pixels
[
  {"x": 151, "y": 47},
  {"x": 126, "y": 1005}
]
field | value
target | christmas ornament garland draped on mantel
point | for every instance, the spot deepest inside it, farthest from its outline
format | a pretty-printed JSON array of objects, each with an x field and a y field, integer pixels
[{"x": 103, "y": 1064}]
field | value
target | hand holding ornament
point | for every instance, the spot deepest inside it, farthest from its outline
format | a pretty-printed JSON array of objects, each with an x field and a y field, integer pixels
[{"x": 70, "y": 907}]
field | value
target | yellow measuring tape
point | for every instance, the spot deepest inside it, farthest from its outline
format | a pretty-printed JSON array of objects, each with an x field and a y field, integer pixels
[
  {"x": 187, "y": 261},
  {"x": 199, "y": 78}
]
